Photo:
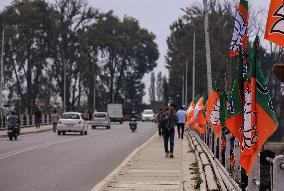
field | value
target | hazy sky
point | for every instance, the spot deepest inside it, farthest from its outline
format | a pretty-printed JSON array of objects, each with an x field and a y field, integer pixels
[{"x": 155, "y": 15}]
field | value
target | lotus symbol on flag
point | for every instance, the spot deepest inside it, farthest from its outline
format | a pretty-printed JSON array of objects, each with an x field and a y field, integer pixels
[
  {"x": 240, "y": 30},
  {"x": 215, "y": 115},
  {"x": 250, "y": 134},
  {"x": 278, "y": 26}
]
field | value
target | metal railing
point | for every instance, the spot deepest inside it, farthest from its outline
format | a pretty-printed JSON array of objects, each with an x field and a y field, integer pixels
[
  {"x": 267, "y": 173},
  {"x": 27, "y": 120}
]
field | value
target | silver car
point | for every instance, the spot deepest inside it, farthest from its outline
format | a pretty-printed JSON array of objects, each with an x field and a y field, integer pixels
[
  {"x": 72, "y": 122},
  {"x": 101, "y": 119}
]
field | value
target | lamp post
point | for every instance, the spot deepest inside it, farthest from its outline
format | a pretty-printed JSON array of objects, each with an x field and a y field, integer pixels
[
  {"x": 1, "y": 68},
  {"x": 207, "y": 47}
]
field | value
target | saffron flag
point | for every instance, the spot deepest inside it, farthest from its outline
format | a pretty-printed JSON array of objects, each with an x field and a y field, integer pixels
[
  {"x": 240, "y": 29},
  {"x": 198, "y": 120},
  {"x": 190, "y": 112},
  {"x": 262, "y": 122},
  {"x": 234, "y": 117},
  {"x": 213, "y": 111},
  {"x": 274, "y": 31}
]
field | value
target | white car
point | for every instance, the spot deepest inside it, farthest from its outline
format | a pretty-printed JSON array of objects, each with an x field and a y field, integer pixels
[
  {"x": 72, "y": 122},
  {"x": 101, "y": 119},
  {"x": 147, "y": 115}
]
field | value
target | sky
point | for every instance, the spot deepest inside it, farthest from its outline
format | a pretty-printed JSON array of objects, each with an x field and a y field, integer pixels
[{"x": 154, "y": 15}]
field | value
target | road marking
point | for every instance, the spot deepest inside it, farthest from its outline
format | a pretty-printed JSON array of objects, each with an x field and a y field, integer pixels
[{"x": 44, "y": 145}]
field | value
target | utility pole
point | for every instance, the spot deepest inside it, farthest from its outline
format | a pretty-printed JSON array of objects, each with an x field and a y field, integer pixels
[
  {"x": 207, "y": 46},
  {"x": 1, "y": 73},
  {"x": 193, "y": 67},
  {"x": 94, "y": 98},
  {"x": 182, "y": 93},
  {"x": 186, "y": 69},
  {"x": 64, "y": 85}
]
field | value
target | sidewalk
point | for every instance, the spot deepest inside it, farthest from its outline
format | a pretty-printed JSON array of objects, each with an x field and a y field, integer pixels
[
  {"x": 149, "y": 169},
  {"x": 29, "y": 130}
]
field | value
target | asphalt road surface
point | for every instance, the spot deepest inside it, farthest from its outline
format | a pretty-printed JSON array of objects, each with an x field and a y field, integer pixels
[{"x": 48, "y": 162}]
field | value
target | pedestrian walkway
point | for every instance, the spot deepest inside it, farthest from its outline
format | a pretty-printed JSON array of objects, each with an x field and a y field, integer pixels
[
  {"x": 29, "y": 130},
  {"x": 149, "y": 169}
]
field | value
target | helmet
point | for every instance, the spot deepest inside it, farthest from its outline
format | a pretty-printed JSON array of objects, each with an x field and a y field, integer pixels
[{"x": 13, "y": 112}]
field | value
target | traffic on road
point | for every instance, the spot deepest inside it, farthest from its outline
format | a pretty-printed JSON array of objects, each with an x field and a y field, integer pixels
[{"x": 46, "y": 161}]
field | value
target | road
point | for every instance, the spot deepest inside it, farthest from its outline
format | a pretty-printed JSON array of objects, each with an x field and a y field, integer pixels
[{"x": 48, "y": 162}]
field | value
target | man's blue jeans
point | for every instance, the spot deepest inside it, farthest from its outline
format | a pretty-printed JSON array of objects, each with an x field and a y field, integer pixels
[{"x": 169, "y": 135}]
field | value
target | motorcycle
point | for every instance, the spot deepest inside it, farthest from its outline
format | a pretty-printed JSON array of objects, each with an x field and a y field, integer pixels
[
  {"x": 133, "y": 124},
  {"x": 13, "y": 131}
]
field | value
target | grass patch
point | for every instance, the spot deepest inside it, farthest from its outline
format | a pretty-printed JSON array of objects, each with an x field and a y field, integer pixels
[
  {"x": 198, "y": 181},
  {"x": 197, "y": 178}
]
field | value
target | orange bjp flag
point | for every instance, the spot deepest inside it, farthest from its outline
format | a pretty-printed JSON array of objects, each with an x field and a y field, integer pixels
[
  {"x": 261, "y": 122},
  {"x": 274, "y": 31},
  {"x": 198, "y": 119},
  {"x": 213, "y": 112},
  {"x": 190, "y": 112}
]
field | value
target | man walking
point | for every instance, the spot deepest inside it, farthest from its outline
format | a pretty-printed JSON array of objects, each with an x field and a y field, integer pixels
[
  {"x": 169, "y": 121},
  {"x": 54, "y": 118},
  {"x": 37, "y": 118},
  {"x": 160, "y": 121},
  {"x": 181, "y": 114}
]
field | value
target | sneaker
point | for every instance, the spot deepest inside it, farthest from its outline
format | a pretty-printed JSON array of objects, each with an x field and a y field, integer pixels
[
  {"x": 171, "y": 155},
  {"x": 167, "y": 154}
]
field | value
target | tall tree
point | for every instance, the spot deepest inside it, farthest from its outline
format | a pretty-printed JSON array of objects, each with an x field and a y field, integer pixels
[
  {"x": 180, "y": 45},
  {"x": 152, "y": 88},
  {"x": 27, "y": 25},
  {"x": 159, "y": 87},
  {"x": 126, "y": 53},
  {"x": 166, "y": 90},
  {"x": 72, "y": 16}
]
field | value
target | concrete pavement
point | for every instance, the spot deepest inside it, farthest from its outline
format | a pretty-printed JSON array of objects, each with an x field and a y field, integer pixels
[
  {"x": 149, "y": 169},
  {"x": 29, "y": 130}
]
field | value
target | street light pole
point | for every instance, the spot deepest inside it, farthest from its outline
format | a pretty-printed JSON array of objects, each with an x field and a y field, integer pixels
[
  {"x": 94, "y": 98},
  {"x": 186, "y": 70},
  {"x": 193, "y": 67},
  {"x": 64, "y": 85},
  {"x": 2, "y": 72},
  {"x": 207, "y": 47},
  {"x": 182, "y": 93}
]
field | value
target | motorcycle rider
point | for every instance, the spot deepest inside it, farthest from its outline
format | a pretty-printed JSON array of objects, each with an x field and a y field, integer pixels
[
  {"x": 133, "y": 120},
  {"x": 133, "y": 116},
  {"x": 13, "y": 124}
]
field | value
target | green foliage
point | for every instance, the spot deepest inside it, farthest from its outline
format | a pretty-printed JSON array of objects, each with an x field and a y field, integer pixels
[
  {"x": 198, "y": 182},
  {"x": 98, "y": 50},
  {"x": 159, "y": 87},
  {"x": 180, "y": 46},
  {"x": 152, "y": 88}
]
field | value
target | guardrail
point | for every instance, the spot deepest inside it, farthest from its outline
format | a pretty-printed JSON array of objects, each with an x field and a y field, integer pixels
[
  {"x": 28, "y": 120},
  {"x": 267, "y": 173}
]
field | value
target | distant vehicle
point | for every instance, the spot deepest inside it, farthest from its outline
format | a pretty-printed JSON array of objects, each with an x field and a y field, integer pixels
[
  {"x": 133, "y": 123},
  {"x": 115, "y": 112},
  {"x": 101, "y": 119},
  {"x": 72, "y": 122},
  {"x": 147, "y": 115}
]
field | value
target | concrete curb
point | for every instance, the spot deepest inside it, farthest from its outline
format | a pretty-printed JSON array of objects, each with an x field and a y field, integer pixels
[
  {"x": 103, "y": 183},
  {"x": 31, "y": 132}
]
